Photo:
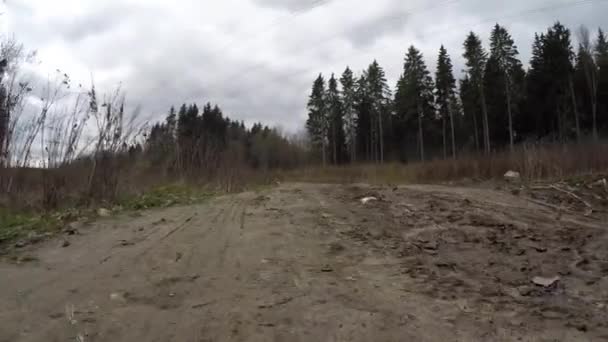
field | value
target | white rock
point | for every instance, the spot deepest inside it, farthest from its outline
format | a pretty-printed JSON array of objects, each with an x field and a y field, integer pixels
[
  {"x": 103, "y": 212},
  {"x": 366, "y": 200},
  {"x": 545, "y": 282},
  {"x": 512, "y": 176}
]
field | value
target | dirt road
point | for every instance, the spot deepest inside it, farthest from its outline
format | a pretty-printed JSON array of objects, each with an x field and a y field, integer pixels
[{"x": 304, "y": 262}]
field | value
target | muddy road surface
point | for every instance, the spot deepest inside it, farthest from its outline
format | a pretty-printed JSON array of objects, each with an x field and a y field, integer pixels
[{"x": 305, "y": 262}]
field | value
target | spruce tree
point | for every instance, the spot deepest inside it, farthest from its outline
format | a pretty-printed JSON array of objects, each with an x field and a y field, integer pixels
[
  {"x": 601, "y": 60},
  {"x": 348, "y": 98},
  {"x": 414, "y": 95},
  {"x": 509, "y": 73},
  {"x": 336, "y": 121},
  {"x": 446, "y": 97},
  {"x": 379, "y": 95},
  {"x": 476, "y": 59},
  {"x": 317, "y": 124},
  {"x": 363, "y": 109},
  {"x": 586, "y": 67}
]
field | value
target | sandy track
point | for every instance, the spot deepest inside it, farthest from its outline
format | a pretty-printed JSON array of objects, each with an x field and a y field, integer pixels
[{"x": 305, "y": 262}]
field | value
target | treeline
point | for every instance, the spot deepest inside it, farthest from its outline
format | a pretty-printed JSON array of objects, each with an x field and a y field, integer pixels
[
  {"x": 563, "y": 96},
  {"x": 203, "y": 142}
]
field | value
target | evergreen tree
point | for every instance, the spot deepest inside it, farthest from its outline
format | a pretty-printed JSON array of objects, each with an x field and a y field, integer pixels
[
  {"x": 317, "y": 124},
  {"x": 414, "y": 96},
  {"x": 446, "y": 97},
  {"x": 601, "y": 60},
  {"x": 504, "y": 75},
  {"x": 363, "y": 109},
  {"x": 586, "y": 70},
  {"x": 350, "y": 116},
  {"x": 379, "y": 95},
  {"x": 336, "y": 122},
  {"x": 476, "y": 59},
  {"x": 471, "y": 111}
]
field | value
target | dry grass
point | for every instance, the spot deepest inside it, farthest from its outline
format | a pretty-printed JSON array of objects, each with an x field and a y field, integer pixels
[{"x": 534, "y": 162}]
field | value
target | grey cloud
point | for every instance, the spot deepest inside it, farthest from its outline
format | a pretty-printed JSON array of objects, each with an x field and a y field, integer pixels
[
  {"x": 169, "y": 59},
  {"x": 292, "y": 5}
]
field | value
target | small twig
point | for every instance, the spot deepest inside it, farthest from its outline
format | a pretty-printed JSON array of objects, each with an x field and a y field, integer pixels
[{"x": 573, "y": 195}]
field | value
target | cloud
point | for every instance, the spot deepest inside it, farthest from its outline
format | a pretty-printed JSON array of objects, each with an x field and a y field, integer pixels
[{"x": 257, "y": 58}]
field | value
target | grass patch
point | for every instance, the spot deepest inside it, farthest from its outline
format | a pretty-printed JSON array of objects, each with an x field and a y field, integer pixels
[
  {"x": 27, "y": 226},
  {"x": 165, "y": 196},
  {"x": 15, "y": 226}
]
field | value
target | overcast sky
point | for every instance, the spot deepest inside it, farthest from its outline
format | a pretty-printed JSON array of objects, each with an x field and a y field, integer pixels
[{"x": 257, "y": 58}]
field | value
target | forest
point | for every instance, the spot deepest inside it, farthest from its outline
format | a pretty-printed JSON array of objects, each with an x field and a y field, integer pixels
[{"x": 496, "y": 104}]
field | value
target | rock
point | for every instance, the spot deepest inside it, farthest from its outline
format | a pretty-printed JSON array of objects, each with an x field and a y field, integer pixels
[
  {"x": 117, "y": 297},
  {"x": 21, "y": 244},
  {"x": 65, "y": 243},
  {"x": 366, "y": 200},
  {"x": 545, "y": 282},
  {"x": 512, "y": 176},
  {"x": 327, "y": 269},
  {"x": 103, "y": 212}
]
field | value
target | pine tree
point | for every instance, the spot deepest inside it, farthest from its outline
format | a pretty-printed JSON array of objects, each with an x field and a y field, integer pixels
[
  {"x": 317, "y": 124},
  {"x": 476, "y": 59},
  {"x": 379, "y": 95},
  {"x": 350, "y": 116},
  {"x": 336, "y": 121},
  {"x": 414, "y": 95},
  {"x": 510, "y": 73},
  {"x": 446, "y": 97}
]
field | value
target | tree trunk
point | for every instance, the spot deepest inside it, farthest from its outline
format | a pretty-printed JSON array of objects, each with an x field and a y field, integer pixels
[
  {"x": 451, "y": 112},
  {"x": 575, "y": 109},
  {"x": 476, "y": 131},
  {"x": 486, "y": 124},
  {"x": 381, "y": 137},
  {"x": 420, "y": 134},
  {"x": 509, "y": 111},
  {"x": 443, "y": 133},
  {"x": 334, "y": 147},
  {"x": 323, "y": 153}
]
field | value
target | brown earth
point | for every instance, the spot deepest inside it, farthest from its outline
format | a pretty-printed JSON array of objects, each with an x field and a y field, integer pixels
[{"x": 304, "y": 262}]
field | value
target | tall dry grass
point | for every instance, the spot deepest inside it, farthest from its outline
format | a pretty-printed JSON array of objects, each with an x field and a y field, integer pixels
[{"x": 532, "y": 161}]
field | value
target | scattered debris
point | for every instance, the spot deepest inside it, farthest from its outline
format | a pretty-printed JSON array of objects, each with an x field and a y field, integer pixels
[
  {"x": 545, "y": 282},
  {"x": 270, "y": 325},
  {"x": 366, "y": 200},
  {"x": 512, "y": 176},
  {"x": 201, "y": 305},
  {"x": 281, "y": 302}
]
